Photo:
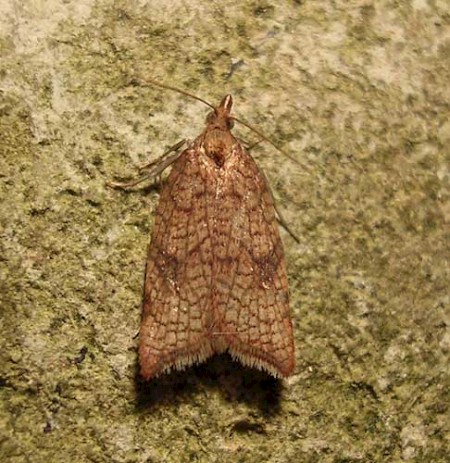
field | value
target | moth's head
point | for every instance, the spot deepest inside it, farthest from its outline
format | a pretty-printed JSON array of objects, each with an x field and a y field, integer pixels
[
  {"x": 218, "y": 140},
  {"x": 220, "y": 118}
]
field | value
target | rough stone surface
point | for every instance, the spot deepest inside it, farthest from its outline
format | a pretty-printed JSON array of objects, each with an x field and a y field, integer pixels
[{"x": 358, "y": 93}]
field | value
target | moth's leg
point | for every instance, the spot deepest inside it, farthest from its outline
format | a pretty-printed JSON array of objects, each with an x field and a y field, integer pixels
[
  {"x": 172, "y": 149},
  {"x": 284, "y": 223},
  {"x": 277, "y": 210},
  {"x": 156, "y": 168},
  {"x": 250, "y": 147}
]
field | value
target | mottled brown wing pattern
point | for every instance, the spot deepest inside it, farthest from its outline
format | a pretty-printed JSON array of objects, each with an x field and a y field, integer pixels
[
  {"x": 176, "y": 316},
  {"x": 216, "y": 277},
  {"x": 250, "y": 281}
]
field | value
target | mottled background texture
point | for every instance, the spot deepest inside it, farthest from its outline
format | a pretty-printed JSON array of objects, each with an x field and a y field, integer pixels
[{"x": 357, "y": 91}]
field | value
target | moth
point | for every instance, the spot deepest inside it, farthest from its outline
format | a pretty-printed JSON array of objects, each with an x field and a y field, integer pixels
[{"x": 215, "y": 276}]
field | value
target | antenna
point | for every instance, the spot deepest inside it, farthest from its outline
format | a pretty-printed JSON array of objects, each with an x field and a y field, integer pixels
[
  {"x": 264, "y": 138},
  {"x": 158, "y": 84},
  {"x": 144, "y": 82}
]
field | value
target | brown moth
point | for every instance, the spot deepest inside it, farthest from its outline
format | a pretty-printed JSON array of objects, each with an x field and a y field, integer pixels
[{"x": 216, "y": 275}]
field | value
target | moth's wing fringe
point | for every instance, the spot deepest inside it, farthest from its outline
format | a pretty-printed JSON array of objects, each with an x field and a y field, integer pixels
[
  {"x": 253, "y": 361},
  {"x": 178, "y": 362}
]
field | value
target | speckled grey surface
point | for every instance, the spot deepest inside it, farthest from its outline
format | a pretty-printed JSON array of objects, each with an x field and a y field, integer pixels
[{"x": 357, "y": 92}]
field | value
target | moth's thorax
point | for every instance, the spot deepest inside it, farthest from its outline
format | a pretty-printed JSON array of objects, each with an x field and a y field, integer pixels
[
  {"x": 217, "y": 138},
  {"x": 218, "y": 145}
]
